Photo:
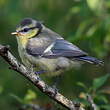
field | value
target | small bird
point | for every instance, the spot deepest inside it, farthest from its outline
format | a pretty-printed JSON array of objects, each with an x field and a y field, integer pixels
[{"x": 42, "y": 49}]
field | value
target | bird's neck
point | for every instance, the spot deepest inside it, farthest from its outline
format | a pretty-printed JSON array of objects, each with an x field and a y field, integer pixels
[{"x": 22, "y": 41}]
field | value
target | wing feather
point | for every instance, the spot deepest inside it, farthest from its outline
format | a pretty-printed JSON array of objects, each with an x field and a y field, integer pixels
[
  {"x": 63, "y": 48},
  {"x": 57, "y": 48}
]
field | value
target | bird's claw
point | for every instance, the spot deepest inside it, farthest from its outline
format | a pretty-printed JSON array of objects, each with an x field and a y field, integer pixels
[{"x": 40, "y": 72}]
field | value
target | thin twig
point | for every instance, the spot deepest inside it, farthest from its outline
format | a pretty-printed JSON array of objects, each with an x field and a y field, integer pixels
[
  {"x": 31, "y": 76},
  {"x": 92, "y": 104}
]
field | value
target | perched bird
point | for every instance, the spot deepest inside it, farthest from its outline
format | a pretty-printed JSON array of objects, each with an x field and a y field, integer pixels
[{"x": 42, "y": 49}]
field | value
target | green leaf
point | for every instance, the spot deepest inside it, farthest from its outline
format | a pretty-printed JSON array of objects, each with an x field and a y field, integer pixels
[
  {"x": 105, "y": 107},
  {"x": 31, "y": 95},
  {"x": 1, "y": 89},
  {"x": 107, "y": 41},
  {"x": 98, "y": 82},
  {"x": 91, "y": 30},
  {"x": 101, "y": 99},
  {"x": 82, "y": 85},
  {"x": 75, "y": 10},
  {"x": 82, "y": 101},
  {"x": 95, "y": 5},
  {"x": 17, "y": 98}
]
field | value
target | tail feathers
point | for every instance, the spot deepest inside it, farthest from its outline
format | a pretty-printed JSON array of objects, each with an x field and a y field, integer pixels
[{"x": 91, "y": 60}]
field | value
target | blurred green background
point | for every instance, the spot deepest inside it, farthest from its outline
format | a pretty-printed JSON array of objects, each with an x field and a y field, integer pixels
[{"x": 85, "y": 23}]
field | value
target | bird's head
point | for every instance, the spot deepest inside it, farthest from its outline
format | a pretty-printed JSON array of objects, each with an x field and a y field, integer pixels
[{"x": 28, "y": 28}]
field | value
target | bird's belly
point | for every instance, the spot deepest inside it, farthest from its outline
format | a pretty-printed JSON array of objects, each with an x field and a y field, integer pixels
[
  {"x": 52, "y": 66},
  {"x": 39, "y": 63}
]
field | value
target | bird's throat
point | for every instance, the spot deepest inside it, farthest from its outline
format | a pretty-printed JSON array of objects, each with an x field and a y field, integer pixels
[{"x": 22, "y": 41}]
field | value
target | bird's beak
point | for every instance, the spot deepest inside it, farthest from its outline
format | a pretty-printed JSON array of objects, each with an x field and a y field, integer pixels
[{"x": 14, "y": 33}]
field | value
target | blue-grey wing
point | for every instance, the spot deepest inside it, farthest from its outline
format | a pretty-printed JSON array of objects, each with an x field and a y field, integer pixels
[
  {"x": 63, "y": 48},
  {"x": 60, "y": 48}
]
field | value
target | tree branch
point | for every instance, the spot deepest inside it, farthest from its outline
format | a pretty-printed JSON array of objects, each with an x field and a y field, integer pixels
[
  {"x": 92, "y": 104},
  {"x": 40, "y": 84}
]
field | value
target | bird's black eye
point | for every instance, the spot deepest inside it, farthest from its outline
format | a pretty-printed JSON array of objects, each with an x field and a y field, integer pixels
[{"x": 25, "y": 30}]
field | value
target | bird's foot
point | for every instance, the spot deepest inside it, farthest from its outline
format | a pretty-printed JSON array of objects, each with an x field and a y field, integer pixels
[{"x": 40, "y": 72}]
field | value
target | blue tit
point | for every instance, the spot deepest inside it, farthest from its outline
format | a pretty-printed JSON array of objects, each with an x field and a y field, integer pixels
[{"x": 42, "y": 49}]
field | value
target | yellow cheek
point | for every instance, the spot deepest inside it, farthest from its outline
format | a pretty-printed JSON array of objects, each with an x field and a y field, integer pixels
[
  {"x": 23, "y": 38},
  {"x": 32, "y": 33}
]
